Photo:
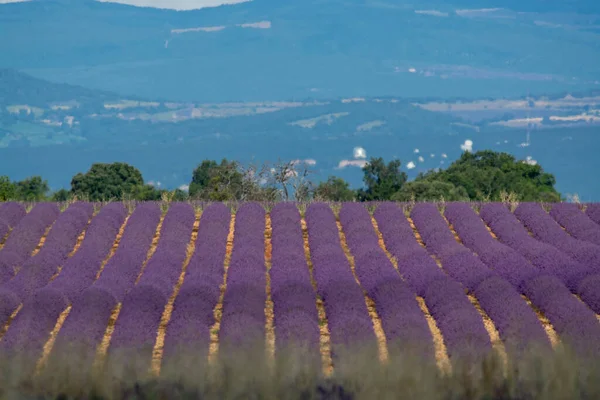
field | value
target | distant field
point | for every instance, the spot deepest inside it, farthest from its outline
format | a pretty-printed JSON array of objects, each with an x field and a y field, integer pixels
[{"x": 447, "y": 282}]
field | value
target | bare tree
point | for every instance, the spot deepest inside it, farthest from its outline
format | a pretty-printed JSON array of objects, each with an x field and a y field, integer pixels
[
  {"x": 255, "y": 184},
  {"x": 293, "y": 175},
  {"x": 303, "y": 186}
]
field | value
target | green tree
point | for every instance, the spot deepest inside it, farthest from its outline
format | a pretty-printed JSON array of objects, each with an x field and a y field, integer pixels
[
  {"x": 486, "y": 174},
  {"x": 430, "y": 191},
  {"x": 217, "y": 182},
  {"x": 202, "y": 175},
  {"x": 381, "y": 180},
  {"x": 146, "y": 193},
  {"x": 107, "y": 181},
  {"x": 334, "y": 189},
  {"x": 61, "y": 195},
  {"x": 7, "y": 189},
  {"x": 32, "y": 189},
  {"x": 180, "y": 195}
]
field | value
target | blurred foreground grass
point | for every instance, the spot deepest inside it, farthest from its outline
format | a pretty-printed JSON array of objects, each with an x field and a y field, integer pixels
[{"x": 247, "y": 373}]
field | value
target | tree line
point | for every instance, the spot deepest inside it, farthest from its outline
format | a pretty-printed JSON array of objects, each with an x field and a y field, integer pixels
[{"x": 481, "y": 176}]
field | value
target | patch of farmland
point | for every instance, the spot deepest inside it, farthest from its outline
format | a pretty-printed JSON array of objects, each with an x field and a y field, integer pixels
[
  {"x": 441, "y": 283},
  {"x": 326, "y": 119}
]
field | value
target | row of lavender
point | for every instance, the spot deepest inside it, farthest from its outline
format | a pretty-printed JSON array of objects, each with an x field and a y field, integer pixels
[
  {"x": 35, "y": 272},
  {"x": 30, "y": 329},
  {"x": 93, "y": 296},
  {"x": 28, "y": 229},
  {"x": 459, "y": 322},
  {"x": 243, "y": 314},
  {"x": 402, "y": 320},
  {"x": 499, "y": 274},
  {"x": 348, "y": 319},
  {"x": 347, "y": 315},
  {"x": 295, "y": 314}
]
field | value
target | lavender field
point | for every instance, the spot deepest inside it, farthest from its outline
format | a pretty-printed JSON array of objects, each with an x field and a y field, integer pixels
[{"x": 443, "y": 285}]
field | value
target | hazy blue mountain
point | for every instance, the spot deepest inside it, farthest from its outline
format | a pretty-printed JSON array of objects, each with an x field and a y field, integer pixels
[{"x": 308, "y": 48}]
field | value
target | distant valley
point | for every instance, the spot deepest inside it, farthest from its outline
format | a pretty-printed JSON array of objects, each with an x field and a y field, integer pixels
[{"x": 56, "y": 129}]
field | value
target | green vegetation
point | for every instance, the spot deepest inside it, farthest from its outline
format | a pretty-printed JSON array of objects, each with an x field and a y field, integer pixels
[
  {"x": 335, "y": 189},
  {"x": 229, "y": 180},
  {"x": 480, "y": 176},
  {"x": 7, "y": 189},
  {"x": 30, "y": 189},
  {"x": 248, "y": 374},
  {"x": 486, "y": 174},
  {"x": 381, "y": 180},
  {"x": 420, "y": 190},
  {"x": 218, "y": 182},
  {"x": 105, "y": 181}
]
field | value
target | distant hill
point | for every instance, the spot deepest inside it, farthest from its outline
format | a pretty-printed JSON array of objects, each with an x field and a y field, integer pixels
[
  {"x": 19, "y": 88},
  {"x": 271, "y": 50}
]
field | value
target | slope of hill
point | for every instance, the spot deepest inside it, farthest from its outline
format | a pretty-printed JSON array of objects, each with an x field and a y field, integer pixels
[
  {"x": 19, "y": 88},
  {"x": 267, "y": 50}
]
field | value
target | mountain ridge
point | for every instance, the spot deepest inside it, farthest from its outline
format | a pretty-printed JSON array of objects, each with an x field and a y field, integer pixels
[{"x": 309, "y": 48}]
